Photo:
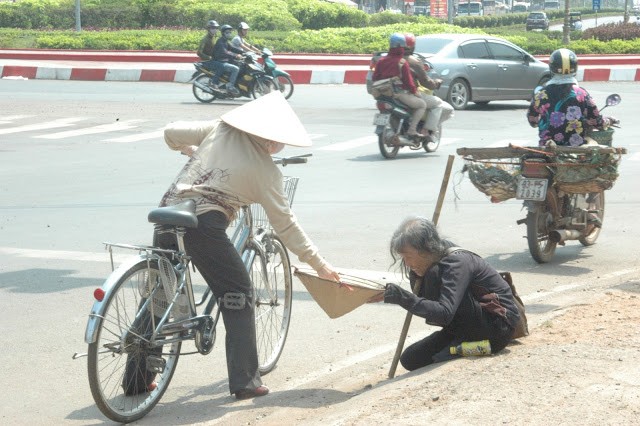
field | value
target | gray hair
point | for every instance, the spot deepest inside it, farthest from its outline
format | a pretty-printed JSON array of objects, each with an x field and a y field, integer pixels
[{"x": 420, "y": 234}]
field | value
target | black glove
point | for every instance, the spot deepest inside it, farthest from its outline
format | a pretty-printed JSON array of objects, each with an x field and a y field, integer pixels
[{"x": 393, "y": 293}]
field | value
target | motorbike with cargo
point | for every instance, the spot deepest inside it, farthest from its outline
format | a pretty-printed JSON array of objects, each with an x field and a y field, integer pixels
[{"x": 562, "y": 187}]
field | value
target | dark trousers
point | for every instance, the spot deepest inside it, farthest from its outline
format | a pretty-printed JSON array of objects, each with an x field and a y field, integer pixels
[
  {"x": 471, "y": 323},
  {"x": 220, "y": 264}
]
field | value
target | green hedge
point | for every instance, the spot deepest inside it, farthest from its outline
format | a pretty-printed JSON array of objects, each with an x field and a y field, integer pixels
[{"x": 277, "y": 24}]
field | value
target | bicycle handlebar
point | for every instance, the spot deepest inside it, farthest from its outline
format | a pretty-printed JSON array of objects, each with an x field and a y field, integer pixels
[{"x": 297, "y": 159}]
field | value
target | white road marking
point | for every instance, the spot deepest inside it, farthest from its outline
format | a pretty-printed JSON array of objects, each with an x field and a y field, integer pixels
[
  {"x": 137, "y": 137},
  {"x": 62, "y": 122},
  {"x": 367, "y": 140},
  {"x": 103, "y": 128},
  {"x": 7, "y": 119},
  {"x": 341, "y": 365},
  {"x": 350, "y": 144},
  {"x": 80, "y": 256}
]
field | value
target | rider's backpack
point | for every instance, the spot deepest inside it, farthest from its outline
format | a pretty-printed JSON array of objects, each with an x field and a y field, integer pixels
[{"x": 388, "y": 86}]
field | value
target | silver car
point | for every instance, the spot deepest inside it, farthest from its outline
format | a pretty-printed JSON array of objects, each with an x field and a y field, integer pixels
[{"x": 478, "y": 68}]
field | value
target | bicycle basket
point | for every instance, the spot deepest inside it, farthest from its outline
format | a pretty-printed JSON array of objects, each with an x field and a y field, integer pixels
[{"x": 260, "y": 219}]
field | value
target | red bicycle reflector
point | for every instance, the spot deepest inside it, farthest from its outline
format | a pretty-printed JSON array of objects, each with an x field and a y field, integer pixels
[{"x": 98, "y": 293}]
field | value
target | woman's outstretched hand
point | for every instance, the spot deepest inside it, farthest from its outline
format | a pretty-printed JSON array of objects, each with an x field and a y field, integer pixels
[{"x": 326, "y": 272}]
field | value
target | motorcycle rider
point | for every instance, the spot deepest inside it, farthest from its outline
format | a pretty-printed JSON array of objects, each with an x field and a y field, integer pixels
[
  {"x": 239, "y": 42},
  {"x": 224, "y": 52},
  {"x": 389, "y": 66},
  {"x": 205, "y": 51},
  {"x": 438, "y": 111},
  {"x": 564, "y": 111}
]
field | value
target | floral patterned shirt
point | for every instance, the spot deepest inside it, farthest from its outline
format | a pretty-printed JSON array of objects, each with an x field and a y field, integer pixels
[{"x": 563, "y": 114}]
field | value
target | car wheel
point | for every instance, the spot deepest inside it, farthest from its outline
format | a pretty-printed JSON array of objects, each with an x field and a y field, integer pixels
[{"x": 458, "y": 95}]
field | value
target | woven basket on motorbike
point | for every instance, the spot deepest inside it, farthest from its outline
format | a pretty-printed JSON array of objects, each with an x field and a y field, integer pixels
[
  {"x": 588, "y": 172},
  {"x": 495, "y": 179},
  {"x": 603, "y": 137}
]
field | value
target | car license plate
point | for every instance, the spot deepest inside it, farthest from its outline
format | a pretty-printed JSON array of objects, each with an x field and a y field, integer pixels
[
  {"x": 381, "y": 119},
  {"x": 531, "y": 189}
]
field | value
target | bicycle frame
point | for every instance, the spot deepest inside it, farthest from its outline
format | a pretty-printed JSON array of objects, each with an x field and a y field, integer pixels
[{"x": 246, "y": 241}]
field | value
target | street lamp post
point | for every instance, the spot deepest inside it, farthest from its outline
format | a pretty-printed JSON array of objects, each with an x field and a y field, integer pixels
[
  {"x": 78, "y": 25},
  {"x": 565, "y": 28}
]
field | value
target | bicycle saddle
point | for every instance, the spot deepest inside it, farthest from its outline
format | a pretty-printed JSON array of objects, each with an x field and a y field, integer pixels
[{"x": 183, "y": 214}]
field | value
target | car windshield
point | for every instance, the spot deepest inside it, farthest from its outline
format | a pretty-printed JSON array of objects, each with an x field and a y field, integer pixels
[
  {"x": 431, "y": 45},
  {"x": 536, "y": 16}
]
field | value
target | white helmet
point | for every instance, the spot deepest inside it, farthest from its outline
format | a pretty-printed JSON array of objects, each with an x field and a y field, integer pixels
[{"x": 243, "y": 26}]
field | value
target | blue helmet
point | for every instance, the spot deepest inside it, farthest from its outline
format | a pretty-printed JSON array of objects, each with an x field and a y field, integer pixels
[{"x": 397, "y": 40}]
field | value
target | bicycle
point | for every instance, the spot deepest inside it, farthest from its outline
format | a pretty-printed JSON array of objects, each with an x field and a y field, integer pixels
[{"x": 146, "y": 308}]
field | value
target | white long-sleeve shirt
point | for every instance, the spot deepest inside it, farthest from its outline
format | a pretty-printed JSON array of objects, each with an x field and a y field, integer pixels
[{"x": 231, "y": 169}]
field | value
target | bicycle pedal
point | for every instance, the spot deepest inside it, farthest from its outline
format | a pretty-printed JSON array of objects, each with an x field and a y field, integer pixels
[
  {"x": 156, "y": 364},
  {"x": 234, "y": 301}
]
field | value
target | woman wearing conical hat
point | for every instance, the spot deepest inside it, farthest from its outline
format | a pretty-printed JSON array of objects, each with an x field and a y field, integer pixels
[{"x": 230, "y": 166}]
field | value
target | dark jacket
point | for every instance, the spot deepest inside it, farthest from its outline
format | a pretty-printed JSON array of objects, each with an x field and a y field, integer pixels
[
  {"x": 388, "y": 67},
  {"x": 205, "y": 49},
  {"x": 446, "y": 284},
  {"x": 223, "y": 51}
]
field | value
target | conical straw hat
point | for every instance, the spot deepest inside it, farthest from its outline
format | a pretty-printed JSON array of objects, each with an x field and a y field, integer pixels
[{"x": 269, "y": 117}]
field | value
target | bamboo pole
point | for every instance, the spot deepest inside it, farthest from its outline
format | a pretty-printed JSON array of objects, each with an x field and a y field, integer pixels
[{"x": 416, "y": 287}]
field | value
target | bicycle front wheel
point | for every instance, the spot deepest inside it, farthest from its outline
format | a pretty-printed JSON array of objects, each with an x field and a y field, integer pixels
[
  {"x": 272, "y": 283},
  {"x": 127, "y": 375}
]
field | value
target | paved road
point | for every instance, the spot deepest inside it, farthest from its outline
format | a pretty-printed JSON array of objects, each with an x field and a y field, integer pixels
[
  {"x": 593, "y": 22},
  {"x": 82, "y": 163}
]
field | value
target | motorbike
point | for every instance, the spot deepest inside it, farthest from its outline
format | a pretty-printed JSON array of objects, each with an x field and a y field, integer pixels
[
  {"x": 554, "y": 215},
  {"x": 392, "y": 123},
  {"x": 281, "y": 79},
  {"x": 252, "y": 81}
]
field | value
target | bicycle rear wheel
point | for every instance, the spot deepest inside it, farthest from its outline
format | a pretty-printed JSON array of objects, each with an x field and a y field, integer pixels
[
  {"x": 122, "y": 366},
  {"x": 272, "y": 282}
]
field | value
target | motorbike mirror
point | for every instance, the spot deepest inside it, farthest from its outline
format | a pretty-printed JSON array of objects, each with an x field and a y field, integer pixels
[{"x": 613, "y": 99}]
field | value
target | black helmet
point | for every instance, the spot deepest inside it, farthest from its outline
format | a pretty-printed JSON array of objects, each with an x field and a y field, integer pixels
[
  {"x": 213, "y": 24},
  {"x": 226, "y": 28},
  {"x": 563, "y": 62}
]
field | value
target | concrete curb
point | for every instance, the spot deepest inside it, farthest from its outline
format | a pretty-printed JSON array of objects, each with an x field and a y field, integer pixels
[{"x": 178, "y": 66}]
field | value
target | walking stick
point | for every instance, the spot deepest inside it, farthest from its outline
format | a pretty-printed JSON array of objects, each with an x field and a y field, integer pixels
[{"x": 416, "y": 287}]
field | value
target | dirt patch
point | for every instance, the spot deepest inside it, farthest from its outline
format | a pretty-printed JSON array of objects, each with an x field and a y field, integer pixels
[{"x": 579, "y": 365}]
